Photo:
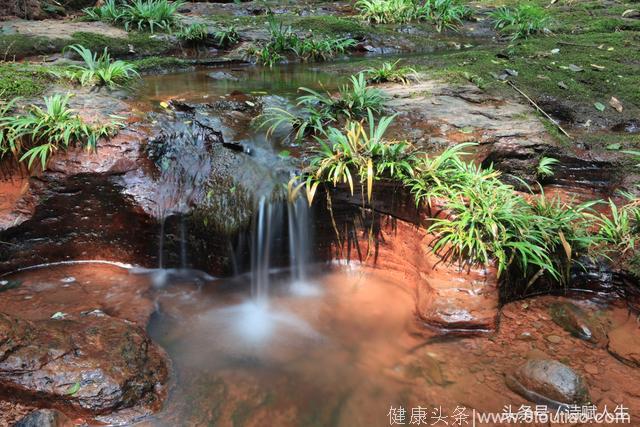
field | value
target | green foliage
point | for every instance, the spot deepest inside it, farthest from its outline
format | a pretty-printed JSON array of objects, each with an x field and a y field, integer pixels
[
  {"x": 99, "y": 70},
  {"x": 445, "y": 14},
  {"x": 386, "y": 11},
  {"x": 109, "y": 12},
  {"x": 520, "y": 22},
  {"x": 139, "y": 14},
  {"x": 39, "y": 133},
  {"x": 284, "y": 41},
  {"x": 194, "y": 33},
  {"x": 619, "y": 232},
  {"x": 488, "y": 222},
  {"x": 317, "y": 110},
  {"x": 356, "y": 157},
  {"x": 389, "y": 72},
  {"x": 226, "y": 37},
  {"x": 545, "y": 167}
]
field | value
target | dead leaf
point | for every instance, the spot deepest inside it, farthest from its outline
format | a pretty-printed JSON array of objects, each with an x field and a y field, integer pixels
[
  {"x": 575, "y": 68},
  {"x": 631, "y": 13},
  {"x": 597, "y": 67},
  {"x": 616, "y": 104},
  {"x": 563, "y": 85}
]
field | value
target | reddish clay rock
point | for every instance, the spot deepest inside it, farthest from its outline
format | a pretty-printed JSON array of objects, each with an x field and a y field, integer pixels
[
  {"x": 447, "y": 298},
  {"x": 94, "y": 364},
  {"x": 624, "y": 344},
  {"x": 37, "y": 294},
  {"x": 549, "y": 382}
]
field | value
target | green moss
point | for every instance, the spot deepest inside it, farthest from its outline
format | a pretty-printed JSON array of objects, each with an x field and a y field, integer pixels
[
  {"x": 22, "y": 80},
  {"x": 17, "y": 46},
  {"x": 160, "y": 63}
]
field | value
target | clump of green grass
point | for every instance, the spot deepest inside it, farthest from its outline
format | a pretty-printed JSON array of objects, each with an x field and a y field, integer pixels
[
  {"x": 358, "y": 157},
  {"x": 285, "y": 41},
  {"x": 619, "y": 231},
  {"x": 545, "y": 167},
  {"x": 317, "y": 110},
  {"x": 520, "y": 22},
  {"x": 390, "y": 72},
  {"x": 386, "y": 11},
  {"x": 41, "y": 132},
  {"x": 445, "y": 14},
  {"x": 226, "y": 37},
  {"x": 194, "y": 33},
  {"x": 99, "y": 70},
  {"x": 142, "y": 15}
]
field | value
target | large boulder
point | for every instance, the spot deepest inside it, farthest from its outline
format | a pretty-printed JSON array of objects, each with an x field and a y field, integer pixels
[
  {"x": 549, "y": 382},
  {"x": 94, "y": 364}
]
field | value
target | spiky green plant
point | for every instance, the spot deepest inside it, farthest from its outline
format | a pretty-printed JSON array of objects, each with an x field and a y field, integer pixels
[
  {"x": 386, "y": 11},
  {"x": 389, "y": 72},
  {"x": 619, "y": 231},
  {"x": 545, "y": 167},
  {"x": 194, "y": 33},
  {"x": 357, "y": 156},
  {"x": 317, "y": 110},
  {"x": 445, "y": 14},
  {"x": 226, "y": 37},
  {"x": 109, "y": 12},
  {"x": 151, "y": 15},
  {"x": 42, "y": 132},
  {"x": 314, "y": 49},
  {"x": 99, "y": 70},
  {"x": 520, "y": 22}
]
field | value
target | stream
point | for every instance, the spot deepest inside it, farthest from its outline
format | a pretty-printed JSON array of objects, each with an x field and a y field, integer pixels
[{"x": 291, "y": 338}]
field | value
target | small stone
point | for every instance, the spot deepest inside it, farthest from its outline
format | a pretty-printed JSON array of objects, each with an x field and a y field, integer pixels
[
  {"x": 554, "y": 339},
  {"x": 526, "y": 336},
  {"x": 549, "y": 382},
  {"x": 69, "y": 279},
  {"x": 575, "y": 321}
]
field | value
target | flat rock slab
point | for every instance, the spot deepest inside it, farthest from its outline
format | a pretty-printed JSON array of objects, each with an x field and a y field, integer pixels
[
  {"x": 95, "y": 364},
  {"x": 61, "y": 29}
]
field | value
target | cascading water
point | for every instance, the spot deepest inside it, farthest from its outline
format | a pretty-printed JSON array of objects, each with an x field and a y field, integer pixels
[{"x": 267, "y": 243}]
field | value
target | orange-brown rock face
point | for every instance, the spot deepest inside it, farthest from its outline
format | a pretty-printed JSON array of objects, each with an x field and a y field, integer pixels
[{"x": 448, "y": 298}]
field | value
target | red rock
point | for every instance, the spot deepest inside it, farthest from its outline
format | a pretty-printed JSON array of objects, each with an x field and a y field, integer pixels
[{"x": 93, "y": 364}]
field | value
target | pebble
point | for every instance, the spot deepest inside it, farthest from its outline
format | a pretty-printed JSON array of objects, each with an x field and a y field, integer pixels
[
  {"x": 69, "y": 279},
  {"x": 554, "y": 339}
]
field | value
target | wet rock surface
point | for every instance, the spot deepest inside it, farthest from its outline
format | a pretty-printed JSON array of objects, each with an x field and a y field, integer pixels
[
  {"x": 45, "y": 418},
  {"x": 93, "y": 363},
  {"x": 575, "y": 321},
  {"x": 549, "y": 382},
  {"x": 624, "y": 343}
]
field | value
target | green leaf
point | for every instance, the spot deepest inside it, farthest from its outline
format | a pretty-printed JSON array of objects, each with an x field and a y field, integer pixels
[
  {"x": 285, "y": 154},
  {"x": 73, "y": 389},
  {"x": 599, "y": 106},
  {"x": 616, "y": 146}
]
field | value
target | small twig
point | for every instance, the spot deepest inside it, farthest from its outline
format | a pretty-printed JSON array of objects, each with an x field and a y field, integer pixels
[{"x": 532, "y": 102}]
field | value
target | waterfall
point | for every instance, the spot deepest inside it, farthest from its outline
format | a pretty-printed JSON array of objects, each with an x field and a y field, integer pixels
[
  {"x": 267, "y": 243},
  {"x": 299, "y": 238}
]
